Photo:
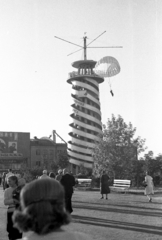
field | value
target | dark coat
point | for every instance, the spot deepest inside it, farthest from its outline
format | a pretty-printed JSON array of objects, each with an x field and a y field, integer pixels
[
  {"x": 68, "y": 181},
  {"x": 104, "y": 184}
]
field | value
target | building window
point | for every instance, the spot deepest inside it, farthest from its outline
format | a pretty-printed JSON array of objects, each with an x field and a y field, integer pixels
[
  {"x": 37, "y": 163},
  {"x": 38, "y": 152}
]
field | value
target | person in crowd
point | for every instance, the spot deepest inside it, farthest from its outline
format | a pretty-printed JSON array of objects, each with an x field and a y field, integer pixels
[
  {"x": 104, "y": 185},
  {"x": 43, "y": 212},
  {"x": 59, "y": 175},
  {"x": 21, "y": 180},
  {"x": 0, "y": 178},
  {"x": 17, "y": 174},
  {"x": 10, "y": 173},
  {"x": 149, "y": 189},
  {"x": 44, "y": 174},
  {"x": 3, "y": 180},
  {"x": 68, "y": 181},
  {"x": 13, "y": 233},
  {"x": 52, "y": 175}
]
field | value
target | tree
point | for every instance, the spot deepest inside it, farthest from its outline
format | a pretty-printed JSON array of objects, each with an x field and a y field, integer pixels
[
  {"x": 117, "y": 148},
  {"x": 63, "y": 160}
]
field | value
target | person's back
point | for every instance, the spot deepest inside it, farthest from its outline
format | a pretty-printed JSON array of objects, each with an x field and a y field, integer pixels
[
  {"x": 59, "y": 175},
  {"x": 68, "y": 181},
  {"x": 43, "y": 212},
  {"x": 44, "y": 175}
]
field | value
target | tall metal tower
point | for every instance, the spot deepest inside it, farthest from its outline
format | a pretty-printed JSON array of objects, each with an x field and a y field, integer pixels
[{"x": 86, "y": 125}]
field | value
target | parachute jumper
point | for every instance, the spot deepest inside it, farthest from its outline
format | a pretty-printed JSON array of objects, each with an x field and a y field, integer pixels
[{"x": 107, "y": 67}]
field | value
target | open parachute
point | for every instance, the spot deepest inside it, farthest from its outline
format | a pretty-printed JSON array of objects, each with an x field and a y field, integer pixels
[{"x": 107, "y": 67}]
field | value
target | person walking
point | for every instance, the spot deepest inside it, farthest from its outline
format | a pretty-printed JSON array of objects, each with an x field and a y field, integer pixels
[
  {"x": 13, "y": 233},
  {"x": 44, "y": 174},
  {"x": 68, "y": 181},
  {"x": 59, "y": 175},
  {"x": 51, "y": 175},
  {"x": 43, "y": 212},
  {"x": 149, "y": 189},
  {"x": 104, "y": 185}
]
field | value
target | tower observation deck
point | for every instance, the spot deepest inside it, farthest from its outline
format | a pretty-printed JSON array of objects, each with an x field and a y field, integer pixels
[{"x": 85, "y": 123}]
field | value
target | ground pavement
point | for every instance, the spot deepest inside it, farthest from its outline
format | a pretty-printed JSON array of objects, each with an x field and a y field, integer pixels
[{"x": 122, "y": 216}]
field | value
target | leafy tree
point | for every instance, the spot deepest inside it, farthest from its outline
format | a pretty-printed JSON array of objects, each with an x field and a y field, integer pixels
[
  {"x": 117, "y": 148},
  {"x": 63, "y": 160}
]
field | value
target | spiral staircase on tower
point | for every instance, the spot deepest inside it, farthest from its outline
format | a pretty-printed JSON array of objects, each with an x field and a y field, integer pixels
[{"x": 86, "y": 126}]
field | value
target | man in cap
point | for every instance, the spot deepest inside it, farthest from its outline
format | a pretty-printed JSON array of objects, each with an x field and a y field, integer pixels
[{"x": 44, "y": 174}]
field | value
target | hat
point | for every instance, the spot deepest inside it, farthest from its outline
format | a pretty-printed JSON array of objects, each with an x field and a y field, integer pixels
[{"x": 44, "y": 171}]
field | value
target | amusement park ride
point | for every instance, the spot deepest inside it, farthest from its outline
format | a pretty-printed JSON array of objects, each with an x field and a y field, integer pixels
[{"x": 86, "y": 126}]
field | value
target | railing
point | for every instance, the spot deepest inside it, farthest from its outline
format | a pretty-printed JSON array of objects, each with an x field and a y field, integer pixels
[{"x": 76, "y": 74}]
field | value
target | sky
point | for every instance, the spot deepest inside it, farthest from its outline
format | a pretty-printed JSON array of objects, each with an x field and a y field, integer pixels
[{"x": 34, "y": 94}]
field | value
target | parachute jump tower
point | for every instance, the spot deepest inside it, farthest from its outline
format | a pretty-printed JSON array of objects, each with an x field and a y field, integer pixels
[
  {"x": 86, "y": 115},
  {"x": 86, "y": 125}
]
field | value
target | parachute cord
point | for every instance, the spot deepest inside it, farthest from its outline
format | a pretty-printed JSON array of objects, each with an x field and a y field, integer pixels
[
  {"x": 110, "y": 87},
  {"x": 109, "y": 82}
]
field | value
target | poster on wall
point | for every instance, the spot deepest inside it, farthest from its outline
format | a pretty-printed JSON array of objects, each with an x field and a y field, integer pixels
[
  {"x": 9, "y": 144},
  {"x": 12, "y": 147}
]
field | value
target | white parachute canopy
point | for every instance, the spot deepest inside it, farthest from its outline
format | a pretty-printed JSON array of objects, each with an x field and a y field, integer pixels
[{"x": 107, "y": 67}]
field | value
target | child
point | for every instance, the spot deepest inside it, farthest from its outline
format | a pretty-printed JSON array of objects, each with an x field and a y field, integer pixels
[{"x": 43, "y": 212}]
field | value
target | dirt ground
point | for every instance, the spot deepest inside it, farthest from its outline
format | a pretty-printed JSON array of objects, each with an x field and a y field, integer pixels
[{"x": 122, "y": 216}]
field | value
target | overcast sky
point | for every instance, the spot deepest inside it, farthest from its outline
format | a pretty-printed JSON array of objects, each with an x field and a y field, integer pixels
[{"x": 34, "y": 66}]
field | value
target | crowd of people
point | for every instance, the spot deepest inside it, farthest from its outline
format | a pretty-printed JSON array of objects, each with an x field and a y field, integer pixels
[
  {"x": 45, "y": 204},
  {"x": 49, "y": 207}
]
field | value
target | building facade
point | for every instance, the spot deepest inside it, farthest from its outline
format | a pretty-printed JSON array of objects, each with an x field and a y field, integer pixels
[
  {"x": 18, "y": 151},
  {"x": 45, "y": 152},
  {"x": 14, "y": 150}
]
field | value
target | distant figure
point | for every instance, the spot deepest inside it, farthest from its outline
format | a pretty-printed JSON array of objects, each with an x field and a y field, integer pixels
[
  {"x": 44, "y": 174},
  {"x": 43, "y": 212},
  {"x": 16, "y": 192},
  {"x": 3, "y": 180},
  {"x": 51, "y": 175},
  {"x": 68, "y": 181},
  {"x": 59, "y": 175},
  {"x": 104, "y": 183},
  {"x": 0, "y": 178},
  {"x": 10, "y": 173},
  {"x": 13, "y": 232},
  {"x": 149, "y": 190},
  {"x": 21, "y": 180}
]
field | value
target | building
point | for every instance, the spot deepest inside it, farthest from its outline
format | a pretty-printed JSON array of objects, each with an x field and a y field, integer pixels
[
  {"x": 45, "y": 152},
  {"x": 14, "y": 150},
  {"x": 85, "y": 123},
  {"x": 18, "y": 151}
]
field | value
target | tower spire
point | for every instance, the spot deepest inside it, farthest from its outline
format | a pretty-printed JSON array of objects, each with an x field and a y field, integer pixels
[{"x": 85, "y": 48}]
